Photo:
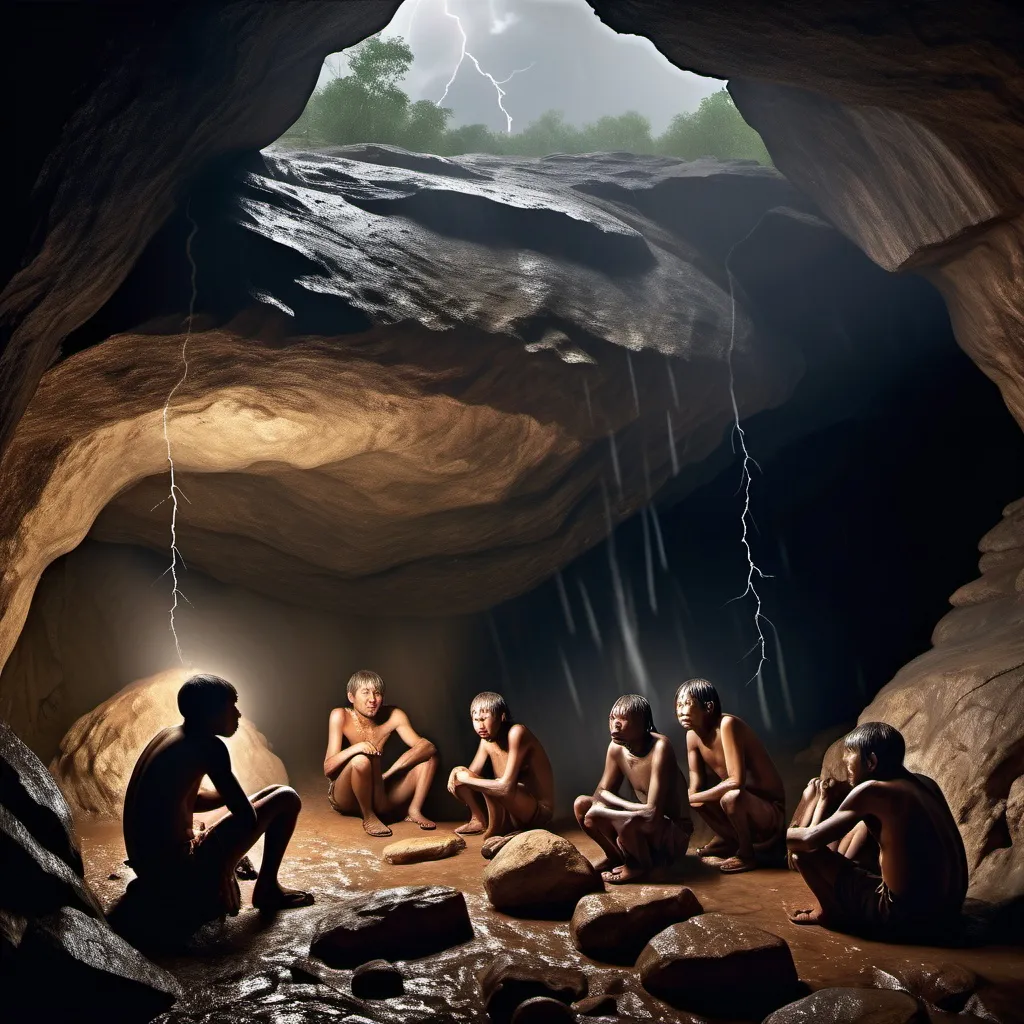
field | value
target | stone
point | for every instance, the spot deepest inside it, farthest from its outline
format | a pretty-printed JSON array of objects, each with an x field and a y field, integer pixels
[
  {"x": 695, "y": 965},
  {"x": 1000, "y": 1003},
  {"x": 851, "y": 1006},
  {"x": 413, "y": 851},
  {"x": 615, "y": 926},
  {"x": 392, "y": 924},
  {"x": 508, "y": 981},
  {"x": 539, "y": 873},
  {"x": 945, "y": 985},
  {"x": 542, "y": 1010},
  {"x": 99, "y": 752},
  {"x": 377, "y": 979},
  {"x": 98, "y": 975},
  {"x": 602, "y": 1005}
]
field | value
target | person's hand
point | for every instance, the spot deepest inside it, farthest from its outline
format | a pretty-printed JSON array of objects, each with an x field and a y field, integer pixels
[
  {"x": 694, "y": 802},
  {"x": 368, "y": 748},
  {"x": 453, "y": 779},
  {"x": 796, "y": 840}
]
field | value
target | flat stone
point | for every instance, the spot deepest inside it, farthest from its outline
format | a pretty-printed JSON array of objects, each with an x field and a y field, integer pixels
[
  {"x": 945, "y": 985},
  {"x": 377, "y": 980},
  {"x": 695, "y": 966},
  {"x": 537, "y": 873},
  {"x": 542, "y": 1010},
  {"x": 603, "y": 1005},
  {"x": 615, "y": 926},
  {"x": 392, "y": 924},
  {"x": 852, "y": 1006},
  {"x": 507, "y": 981},
  {"x": 412, "y": 851}
]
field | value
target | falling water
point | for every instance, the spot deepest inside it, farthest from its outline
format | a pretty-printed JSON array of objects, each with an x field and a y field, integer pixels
[
  {"x": 672, "y": 381},
  {"x": 588, "y": 610},
  {"x": 563, "y": 597},
  {"x": 787, "y": 698},
  {"x": 492, "y": 625},
  {"x": 762, "y": 702},
  {"x": 652, "y": 594},
  {"x": 571, "y": 684},
  {"x": 659, "y": 540},
  {"x": 590, "y": 408},
  {"x": 672, "y": 444},
  {"x": 615, "y": 461},
  {"x": 632, "y": 381}
]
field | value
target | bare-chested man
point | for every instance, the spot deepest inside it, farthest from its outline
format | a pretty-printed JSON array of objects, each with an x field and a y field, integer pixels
[
  {"x": 923, "y": 877},
  {"x": 196, "y": 871},
  {"x": 821, "y": 797},
  {"x": 746, "y": 808},
  {"x": 358, "y": 784},
  {"x": 521, "y": 794},
  {"x": 653, "y": 829}
]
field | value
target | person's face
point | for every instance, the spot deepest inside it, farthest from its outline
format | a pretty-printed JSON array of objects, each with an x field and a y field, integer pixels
[
  {"x": 858, "y": 768},
  {"x": 226, "y": 723},
  {"x": 366, "y": 700},
  {"x": 690, "y": 713},
  {"x": 625, "y": 729},
  {"x": 485, "y": 722}
]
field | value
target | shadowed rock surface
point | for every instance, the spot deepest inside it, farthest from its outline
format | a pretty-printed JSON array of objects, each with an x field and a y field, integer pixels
[
  {"x": 510, "y": 981},
  {"x": 852, "y": 1006},
  {"x": 945, "y": 985},
  {"x": 99, "y": 752}
]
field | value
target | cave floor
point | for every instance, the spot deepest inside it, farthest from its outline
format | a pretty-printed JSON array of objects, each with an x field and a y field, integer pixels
[{"x": 243, "y": 960}]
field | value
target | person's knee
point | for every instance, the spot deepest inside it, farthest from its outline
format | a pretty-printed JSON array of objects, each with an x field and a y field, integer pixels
[
  {"x": 287, "y": 798},
  {"x": 429, "y": 751},
  {"x": 581, "y": 805},
  {"x": 731, "y": 800},
  {"x": 361, "y": 764}
]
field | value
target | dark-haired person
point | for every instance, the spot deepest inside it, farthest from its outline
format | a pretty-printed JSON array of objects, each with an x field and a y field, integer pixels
[
  {"x": 358, "y": 784},
  {"x": 653, "y": 828},
  {"x": 923, "y": 879},
  {"x": 746, "y": 806},
  {"x": 520, "y": 795},
  {"x": 196, "y": 871}
]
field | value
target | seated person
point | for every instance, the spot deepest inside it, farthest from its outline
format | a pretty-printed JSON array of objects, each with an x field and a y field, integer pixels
[
  {"x": 746, "y": 808},
  {"x": 358, "y": 784},
  {"x": 651, "y": 829},
  {"x": 923, "y": 878},
  {"x": 821, "y": 797},
  {"x": 195, "y": 872},
  {"x": 520, "y": 796}
]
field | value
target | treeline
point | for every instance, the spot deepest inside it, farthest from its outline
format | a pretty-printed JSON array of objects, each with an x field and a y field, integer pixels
[{"x": 368, "y": 106}]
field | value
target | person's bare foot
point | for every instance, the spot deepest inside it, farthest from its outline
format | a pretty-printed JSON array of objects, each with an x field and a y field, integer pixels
[
  {"x": 375, "y": 827},
  {"x": 417, "y": 818},
  {"x": 807, "y": 916},
  {"x": 716, "y": 848},
  {"x": 275, "y": 897},
  {"x": 493, "y": 845},
  {"x": 734, "y": 865},
  {"x": 623, "y": 874},
  {"x": 473, "y": 827},
  {"x": 606, "y": 863}
]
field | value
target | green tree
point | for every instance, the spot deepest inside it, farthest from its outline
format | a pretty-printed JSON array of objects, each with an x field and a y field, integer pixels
[
  {"x": 425, "y": 128},
  {"x": 628, "y": 133},
  {"x": 471, "y": 138},
  {"x": 717, "y": 129}
]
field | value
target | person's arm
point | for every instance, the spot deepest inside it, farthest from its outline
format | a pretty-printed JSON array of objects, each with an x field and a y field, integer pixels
[
  {"x": 694, "y": 765},
  {"x": 833, "y": 828},
  {"x": 227, "y": 785},
  {"x": 335, "y": 758},
  {"x": 735, "y": 768},
  {"x": 504, "y": 785},
  {"x": 476, "y": 767},
  {"x": 419, "y": 750},
  {"x": 207, "y": 799},
  {"x": 662, "y": 764},
  {"x": 607, "y": 788}
]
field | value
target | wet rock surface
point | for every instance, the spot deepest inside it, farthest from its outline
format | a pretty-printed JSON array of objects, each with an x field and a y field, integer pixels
[
  {"x": 415, "y": 851},
  {"x": 538, "y": 873},
  {"x": 945, "y": 985},
  {"x": 852, "y": 1006},
  {"x": 542, "y": 1010},
  {"x": 615, "y": 926},
  {"x": 695, "y": 966},
  {"x": 392, "y": 924},
  {"x": 99, "y": 752},
  {"x": 377, "y": 980},
  {"x": 510, "y": 981}
]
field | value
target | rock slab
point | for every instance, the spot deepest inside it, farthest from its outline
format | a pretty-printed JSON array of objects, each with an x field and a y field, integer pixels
[
  {"x": 413, "y": 851},
  {"x": 377, "y": 980},
  {"x": 537, "y": 873},
  {"x": 615, "y": 926},
  {"x": 392, "y": 924},
  {"x": 945, "y": 985},
  {"x": 852, "y": 1006},
  {"x": 509, "y": 982},
  {"x": 695, "y": 966}
]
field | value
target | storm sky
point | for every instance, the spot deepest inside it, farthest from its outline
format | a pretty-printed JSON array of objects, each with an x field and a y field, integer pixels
[{"x": 579, "y": 65}]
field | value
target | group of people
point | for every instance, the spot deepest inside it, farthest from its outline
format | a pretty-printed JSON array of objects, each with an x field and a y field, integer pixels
[{"x": 879, "y": 851}]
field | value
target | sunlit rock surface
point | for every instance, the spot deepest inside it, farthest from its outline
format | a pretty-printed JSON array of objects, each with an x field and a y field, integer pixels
[
  {"x": 99, "y": 752},
  {"x": 960, "y": 707}
]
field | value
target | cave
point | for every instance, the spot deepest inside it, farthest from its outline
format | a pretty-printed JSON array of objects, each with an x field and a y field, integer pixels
[{"x": 564, "y": 427}]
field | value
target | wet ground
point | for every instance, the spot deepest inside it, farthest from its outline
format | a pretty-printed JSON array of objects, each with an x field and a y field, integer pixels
[{"x": 241, "y": 970}]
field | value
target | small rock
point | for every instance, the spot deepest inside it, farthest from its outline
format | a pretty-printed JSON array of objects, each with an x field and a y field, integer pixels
[
  {"x": 696, "y": 966},
  {"x": 413, "y": 851},
  {"x": 605, "y": 1005},
  {"x": 852, "y": 1006},
  {"x": 392, "y": 924},
  {"x": 945, "y": 985},
  {"x": 542, "y": 1010},
  {"x": 377, "y": 980},
  {"x": 509, "y": 981},
  {"x": 113, "y": 877},
  {"x": 615, "y": 926},
  {"x": 537, "y": 873},
  {"x": 1003, "y": 1004}
]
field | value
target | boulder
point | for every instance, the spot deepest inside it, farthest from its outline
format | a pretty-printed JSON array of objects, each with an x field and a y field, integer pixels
[
  {"x": 392, "y": 924},
  {"x": 540, "y": 874},
  {"x": 945, "y": 985},
  {"x": 602, "y": 1005},
  {"x": 695, "y": 966},
  {"x": 542, "y": 1010},
  {"x": 615, "y": 926},
  {"x": 98, "y": 753},
  {"x": 377, "y": 980},
  {"x": 508, "y": 981},
  {"x": 852, "y": 1006},
  {"x": 412, "y": 851}
]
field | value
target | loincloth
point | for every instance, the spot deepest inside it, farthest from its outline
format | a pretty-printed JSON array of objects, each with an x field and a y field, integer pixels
[
  {"x": 776, "y": 831},
  {"x": 330, "y": 796},
  {"x": 669, "y": 840},
  {"x": 541, "y": 817}
]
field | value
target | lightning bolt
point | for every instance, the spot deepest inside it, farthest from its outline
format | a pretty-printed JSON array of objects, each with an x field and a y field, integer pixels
[
  {"x": 497, "y": 84},
  {"x": 175, "y": 490}
]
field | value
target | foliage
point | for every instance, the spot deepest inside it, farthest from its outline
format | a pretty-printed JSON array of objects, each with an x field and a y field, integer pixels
[{"x": 368, "y": 106}]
